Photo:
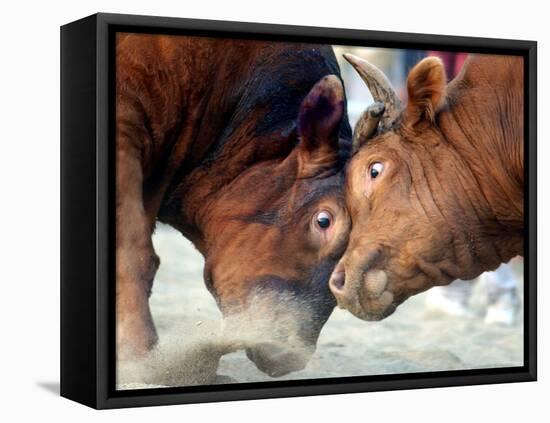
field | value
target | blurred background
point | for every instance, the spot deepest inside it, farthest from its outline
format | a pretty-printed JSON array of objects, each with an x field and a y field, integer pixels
[{"x": 466, "y": 325}]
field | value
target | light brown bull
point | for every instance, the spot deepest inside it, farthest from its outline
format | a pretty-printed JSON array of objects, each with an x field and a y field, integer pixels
[{"x": 435, "y": 190}]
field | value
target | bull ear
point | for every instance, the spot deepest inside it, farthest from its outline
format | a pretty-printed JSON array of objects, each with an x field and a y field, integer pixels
[
  {"x": 319, "y": 122},
  {"x": 426, "y": 90}
]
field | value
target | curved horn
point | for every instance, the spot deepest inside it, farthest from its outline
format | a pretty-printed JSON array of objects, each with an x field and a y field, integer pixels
[
  {"x": 380, "y": 88},
  {"x": 366, "y": 125}
]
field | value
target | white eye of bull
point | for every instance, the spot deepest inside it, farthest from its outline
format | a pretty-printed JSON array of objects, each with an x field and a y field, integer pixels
[
  {"x": 323, "y": 220},
  {"x": 376, "y": 169}
]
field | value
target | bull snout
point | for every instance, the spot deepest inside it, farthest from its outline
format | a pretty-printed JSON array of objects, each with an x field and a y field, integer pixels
[
  {"x": 360, "y": 287},
  {"x": 279, "y": 328},
  {"x": 278, "y": 360}
]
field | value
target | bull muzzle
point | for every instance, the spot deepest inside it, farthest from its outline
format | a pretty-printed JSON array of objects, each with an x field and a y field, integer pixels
[
  {"x": 361, "y": 288},
  {"x": 280, "y": 336},
  {"x": 277, "y": 360}
]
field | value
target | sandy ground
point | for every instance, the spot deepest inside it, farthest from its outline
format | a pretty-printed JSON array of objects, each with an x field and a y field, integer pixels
[{"x": 413, "y": 339}]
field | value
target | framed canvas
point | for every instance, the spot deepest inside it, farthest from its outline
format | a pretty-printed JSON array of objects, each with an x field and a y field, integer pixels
[{"x": 257, "y": 211}]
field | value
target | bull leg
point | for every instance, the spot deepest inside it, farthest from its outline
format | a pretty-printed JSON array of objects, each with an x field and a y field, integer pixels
[{"x": 136, "y": 261}]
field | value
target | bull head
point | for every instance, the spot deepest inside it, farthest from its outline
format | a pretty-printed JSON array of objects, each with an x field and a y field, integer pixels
[
  {"x": 388, "y": 197},
  {"x": 269, "y": 258}
]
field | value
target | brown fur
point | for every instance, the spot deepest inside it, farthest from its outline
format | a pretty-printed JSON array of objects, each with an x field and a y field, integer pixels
[
  {"x": 449, "y": 203},
  {"x": 197, "y": 150}
]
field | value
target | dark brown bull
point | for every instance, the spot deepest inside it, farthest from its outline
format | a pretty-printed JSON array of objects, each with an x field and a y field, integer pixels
[
  {"x": 437, "y": 193},
  {"x": 240, "y": 146}
]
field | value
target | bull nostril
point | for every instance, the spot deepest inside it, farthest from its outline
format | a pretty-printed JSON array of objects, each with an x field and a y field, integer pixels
[{"x": 337, "y": 281}]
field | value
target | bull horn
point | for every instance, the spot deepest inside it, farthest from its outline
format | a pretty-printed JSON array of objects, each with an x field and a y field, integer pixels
[{"x": 380, "y": 88}]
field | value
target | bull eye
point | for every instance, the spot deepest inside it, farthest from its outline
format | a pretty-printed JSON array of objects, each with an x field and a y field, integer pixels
[
  {"x": 376, "y": 169},
  {"x": 323, "y": 220}
]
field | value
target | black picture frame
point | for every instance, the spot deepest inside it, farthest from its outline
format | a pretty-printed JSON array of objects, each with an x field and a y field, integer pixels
[{"x": 87, "y": 234}]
